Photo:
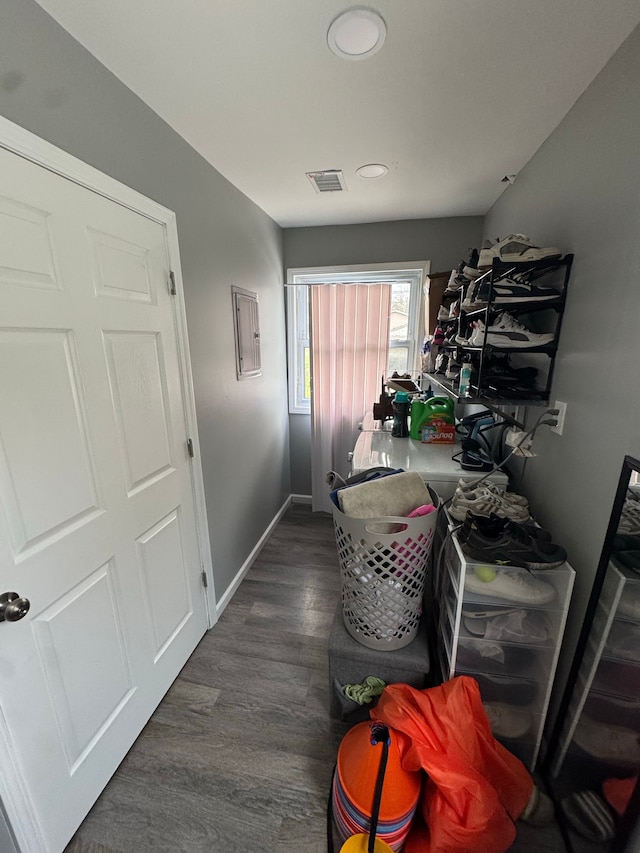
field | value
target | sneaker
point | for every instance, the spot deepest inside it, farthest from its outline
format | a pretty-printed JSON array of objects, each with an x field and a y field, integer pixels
[
  {"x": 467, "y": 486},
  {"x": 455, "y": 283},
  {"x": 508, "y": 585},
  {"x": 450, "y": 330},
  {"x": 454, "y": 310},
  {"x": 509, "y": 333},
  {"x": 496, "y": 525},
  {"x": 443, "y": 313},
  {"x": 514, "y": 249},
  {"x": 470, "y": 269},
  {"x": 484, "y": 502},
  {"x": 442, "y": 361},
  {"x": 513, "y": 548},
  {"x": 438, "y": 336},
  {"x": 499, "y": 371},
  {"x": 512, "y": 291},
  {"x": 477, "y": 296}
]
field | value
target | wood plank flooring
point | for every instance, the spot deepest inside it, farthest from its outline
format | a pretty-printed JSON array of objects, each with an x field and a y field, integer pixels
[{"x": 238, "y": 756}]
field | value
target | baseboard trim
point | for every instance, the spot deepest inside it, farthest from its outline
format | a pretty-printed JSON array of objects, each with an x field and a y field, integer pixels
[
  {"x": 300, "y": 499},
  {"x": 235, "y": 583}
]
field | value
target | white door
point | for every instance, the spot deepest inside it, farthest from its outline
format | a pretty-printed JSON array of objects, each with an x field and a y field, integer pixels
[{"x": 98, "y": 523}]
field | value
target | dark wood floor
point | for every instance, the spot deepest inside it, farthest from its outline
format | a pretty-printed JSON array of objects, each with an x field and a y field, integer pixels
[{"x": 239, "y": 754}]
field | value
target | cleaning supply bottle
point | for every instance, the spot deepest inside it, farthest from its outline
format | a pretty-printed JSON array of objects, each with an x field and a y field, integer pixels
[
  {"x": 438, "y": 425},
  {"x": 465, "y": 377},
  {"x": 400, "y": 428}
]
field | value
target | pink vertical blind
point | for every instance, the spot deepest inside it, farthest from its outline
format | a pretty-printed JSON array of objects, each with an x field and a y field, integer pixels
[{"x": 349, "y": 355}]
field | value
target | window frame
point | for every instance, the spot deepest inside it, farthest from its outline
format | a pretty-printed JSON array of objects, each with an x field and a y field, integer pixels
[{"x": 415, "y": 272}]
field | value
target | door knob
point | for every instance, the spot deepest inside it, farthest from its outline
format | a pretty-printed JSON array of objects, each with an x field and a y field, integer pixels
[{"x": 12, "y": 607}]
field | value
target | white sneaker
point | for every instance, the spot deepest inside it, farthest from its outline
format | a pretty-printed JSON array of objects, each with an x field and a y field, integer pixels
[
  {"x": 443, "y": 313},
  {"x": 514, "y": 249},
  {"x": 467, "y": 487},
  {"x": 517, "y": 587},
  {"x": 507, "y": 332},
  {"x": 484, "y": 502}
]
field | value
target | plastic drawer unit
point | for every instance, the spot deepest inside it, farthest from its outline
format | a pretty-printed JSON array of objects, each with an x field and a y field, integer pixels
[{"x": 509, "y": 645}]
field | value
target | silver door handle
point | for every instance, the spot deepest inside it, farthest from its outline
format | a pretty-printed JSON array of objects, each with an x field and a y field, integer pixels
[{"x": 12, "y": 607}]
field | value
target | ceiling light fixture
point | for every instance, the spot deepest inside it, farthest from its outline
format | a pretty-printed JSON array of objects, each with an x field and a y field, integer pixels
[
  {"x": 372, "y": 170},
  {"x": 357, "y": 33}
]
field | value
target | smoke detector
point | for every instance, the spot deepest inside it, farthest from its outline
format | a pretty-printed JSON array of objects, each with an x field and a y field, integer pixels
[{"x": 327, "y": 181}]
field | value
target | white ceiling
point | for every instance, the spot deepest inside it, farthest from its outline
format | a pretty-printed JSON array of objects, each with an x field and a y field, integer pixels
[{"x": 462, "y": 93}]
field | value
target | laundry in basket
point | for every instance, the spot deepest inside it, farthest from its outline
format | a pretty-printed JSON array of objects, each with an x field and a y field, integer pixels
[{"x": 383, "y": 558}]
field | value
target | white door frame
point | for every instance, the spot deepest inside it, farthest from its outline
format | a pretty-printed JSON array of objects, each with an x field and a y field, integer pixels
[{"x": 13, "y": 793}]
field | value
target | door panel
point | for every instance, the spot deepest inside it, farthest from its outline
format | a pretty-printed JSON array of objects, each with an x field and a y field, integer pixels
[
  {"x": 36, "y": 459},
  {"x": 97, "y": 521},
  {"x": 166, "y": 592},
  {"x": 140, "y": 397},
  {"x": 121, "y": 268},
  {"x": 84, "y": 700},
  {"x": 26, "y": 246}
]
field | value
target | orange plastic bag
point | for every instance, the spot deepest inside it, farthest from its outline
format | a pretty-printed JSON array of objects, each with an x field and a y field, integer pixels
[{"x": 476, "y": 788}]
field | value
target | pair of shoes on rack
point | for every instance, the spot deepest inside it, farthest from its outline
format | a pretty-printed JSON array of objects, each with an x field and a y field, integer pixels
[
  {"x": 451, "y": 313},
  {"x": 508, "y": 544},
  {"x": 494, "y": 525},
  {"x": 515, "y": 248},
  {"x": 487, "y": 500},
  {"x": 507, "y": 332},
  {"x": 504, "y": 292}
]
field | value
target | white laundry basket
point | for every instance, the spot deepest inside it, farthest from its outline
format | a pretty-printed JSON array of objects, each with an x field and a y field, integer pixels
[{"x": 383, "y": 565}]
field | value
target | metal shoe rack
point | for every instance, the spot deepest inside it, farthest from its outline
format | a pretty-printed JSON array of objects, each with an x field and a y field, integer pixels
[
  {"x": 539, "y": 316},
  {"x": 516, "y": 677}
]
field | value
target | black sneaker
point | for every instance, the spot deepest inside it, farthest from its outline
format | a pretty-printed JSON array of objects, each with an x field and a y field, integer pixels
[
  {"x": 495, "y": 525},
  {"x": 513, "y": 548},
  {"x": 500, "y": 372}
]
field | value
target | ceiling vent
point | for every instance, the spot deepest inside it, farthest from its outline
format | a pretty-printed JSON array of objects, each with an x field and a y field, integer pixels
[{"x": 329, "y": 181}]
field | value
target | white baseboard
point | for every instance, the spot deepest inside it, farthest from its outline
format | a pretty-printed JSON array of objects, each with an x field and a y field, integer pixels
[
  {"x": 300, "y": 499},
  {"x": 235, "y": 583}
]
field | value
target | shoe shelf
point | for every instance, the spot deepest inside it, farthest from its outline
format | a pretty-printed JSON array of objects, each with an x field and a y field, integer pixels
[
  {"x": 496, "y": 366},
  {"x": 607, "y": 688},
  {"x": 509, "y": 646}
]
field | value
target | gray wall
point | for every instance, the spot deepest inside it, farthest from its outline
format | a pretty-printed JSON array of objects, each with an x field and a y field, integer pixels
[
  {"x": 445, "y": 242},
  {"x": 50, "y": 85},
  {"x": 581, "y": 192}
]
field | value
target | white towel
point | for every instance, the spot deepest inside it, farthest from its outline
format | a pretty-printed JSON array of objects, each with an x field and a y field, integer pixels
[{"x": 396, "y": 494}]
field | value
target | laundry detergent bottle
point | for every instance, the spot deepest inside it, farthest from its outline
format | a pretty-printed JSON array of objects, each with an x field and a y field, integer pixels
[{"x": 437, "y": 424}]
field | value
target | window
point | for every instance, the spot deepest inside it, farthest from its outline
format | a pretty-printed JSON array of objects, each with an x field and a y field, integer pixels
[{"x": 406, "y": 281}]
